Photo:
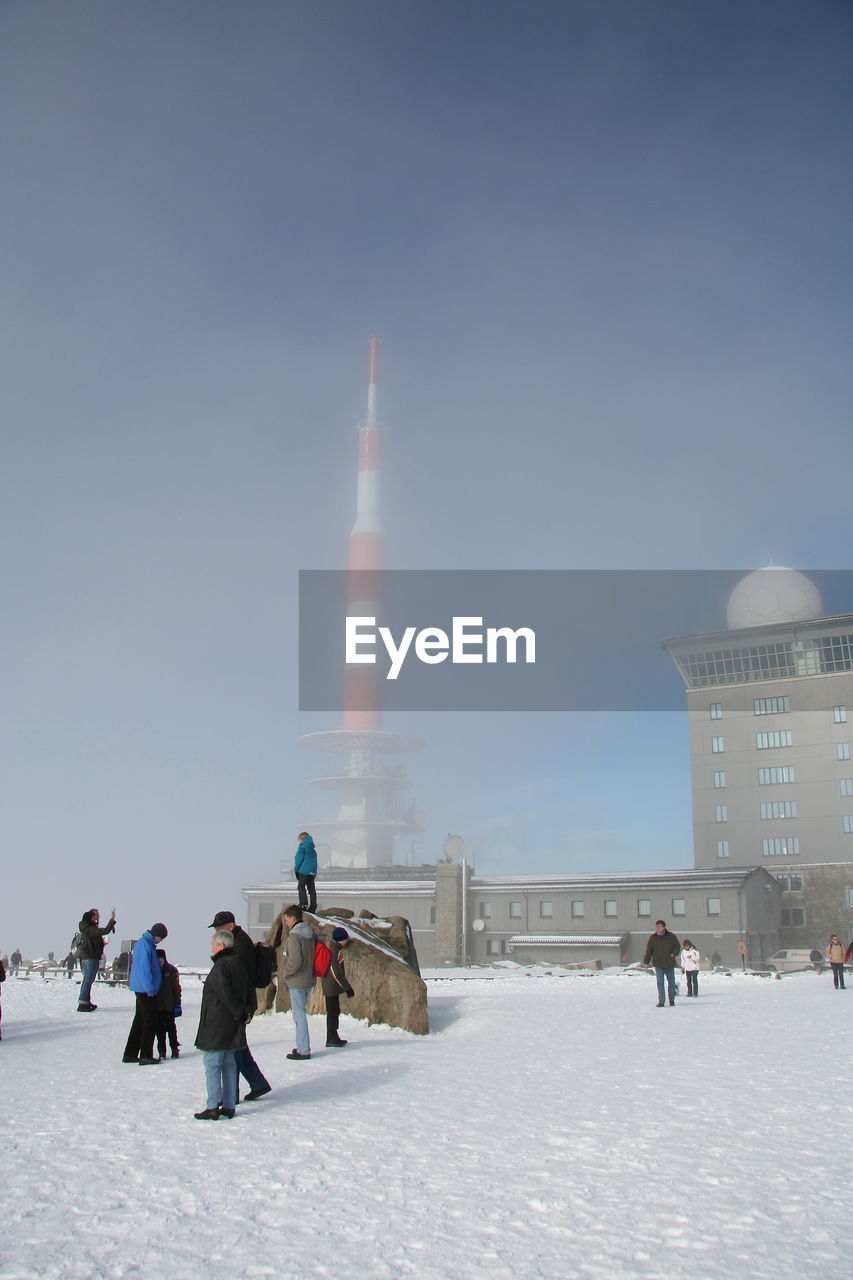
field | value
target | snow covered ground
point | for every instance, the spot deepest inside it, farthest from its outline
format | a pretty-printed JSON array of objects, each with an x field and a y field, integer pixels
[{"x": 550, "y": 1127}]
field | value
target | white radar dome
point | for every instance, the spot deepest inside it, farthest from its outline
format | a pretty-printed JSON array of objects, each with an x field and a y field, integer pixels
[{"x": 774, "y": 594}]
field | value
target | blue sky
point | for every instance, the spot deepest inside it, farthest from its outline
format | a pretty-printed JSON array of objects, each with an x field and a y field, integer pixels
[{"x": 607, "y": 250}]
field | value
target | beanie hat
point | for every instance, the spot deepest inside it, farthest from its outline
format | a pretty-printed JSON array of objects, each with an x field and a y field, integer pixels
[
  {"x": 159, "y": 931},
  {"x": 339, "y": 935}
]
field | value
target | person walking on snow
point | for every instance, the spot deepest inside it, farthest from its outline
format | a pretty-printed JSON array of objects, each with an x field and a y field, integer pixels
[
  {"x": 222, "y": 1026},
  {"x": 244, "y": 950},
  {"x": 168, "y": 1006},
  {"x": 690, "y": 967},
  {"x": 662, "y": 950},
  {"x": 298, "y": 973},
  {"x": 835, "y": 956},
  {"x": 305, "y": 869}
]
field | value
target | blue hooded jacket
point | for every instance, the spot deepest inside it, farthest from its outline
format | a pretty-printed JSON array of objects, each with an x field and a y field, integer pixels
[
  {"x": 145, "y": 975},
  {"x": 306, "y": 858}
]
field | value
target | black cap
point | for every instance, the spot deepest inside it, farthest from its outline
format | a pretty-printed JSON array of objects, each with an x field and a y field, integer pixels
[
  {"x": 159, "y": 931},
  {"x": 221, "y": 918}
]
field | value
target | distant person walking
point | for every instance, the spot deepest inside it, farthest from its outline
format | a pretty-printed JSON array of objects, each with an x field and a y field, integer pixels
[
  {"x": 690, "y": 967},
  {"x": 2, "y": 979},
  {"x": 835, "y": 956},
  {"x": 168, "y": 1006},
  {"x": 662, "y": 951},
  {"x": 244, "y": 950},
  {"x": 305, "y": 868},
  {"x": 15, "y": 961},
  {"x": 222, "y": 1026},
  {"x": 298, "y": 973},
  {"x": 91, "y": 949},
  {"x": 145, "y": 980},
  {"x": 336, "y": 984}
]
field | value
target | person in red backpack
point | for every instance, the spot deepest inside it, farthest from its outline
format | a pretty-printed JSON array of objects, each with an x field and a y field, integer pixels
[{"x": 335, "y": 984}]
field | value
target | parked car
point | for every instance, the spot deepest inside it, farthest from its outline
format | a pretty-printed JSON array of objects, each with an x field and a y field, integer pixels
[{"x": 791, "y": 958}]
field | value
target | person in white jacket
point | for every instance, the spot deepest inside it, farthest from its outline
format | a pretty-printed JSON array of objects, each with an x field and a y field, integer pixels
[{"x": 690, "y": 967}]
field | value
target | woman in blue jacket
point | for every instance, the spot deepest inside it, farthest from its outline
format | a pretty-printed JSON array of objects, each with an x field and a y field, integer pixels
[{"x": 305, "y": 867}]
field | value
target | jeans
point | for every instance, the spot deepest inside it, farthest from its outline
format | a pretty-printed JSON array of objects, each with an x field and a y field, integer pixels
[
  {"x": 838, "y": 974},
  {"x": 220, "y": 1075},
  {"x": 249, "y": 1069},
  {"x": 307, "y": 893},
  {"x": 299, "y": 1005},
  {"x": 665, "y": 975},
  {"x": 692, "y": 976},
  {"x": 88, "y": 967}
]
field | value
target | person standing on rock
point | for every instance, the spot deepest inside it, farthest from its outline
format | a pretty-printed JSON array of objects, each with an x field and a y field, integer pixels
[
  {"x": 335, "y": 984},
  {"x": 91, "y": 950},
  {"x": 298, "y": 973},
  {"x": 662, "y": 950},
  {"x": 244, "y": 950},
  {"x": 305, "y": 869}
]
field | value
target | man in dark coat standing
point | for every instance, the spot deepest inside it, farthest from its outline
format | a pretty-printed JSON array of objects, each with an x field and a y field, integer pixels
[
  {"x": 662, "y": 950},
  {"x": 222, "y": 1026},
  {"x": 91, "y": 950},
  {"x": 244, "y": 950}
]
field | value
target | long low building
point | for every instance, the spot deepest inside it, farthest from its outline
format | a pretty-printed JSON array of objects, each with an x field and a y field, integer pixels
[{"x": 460, "y": 918}]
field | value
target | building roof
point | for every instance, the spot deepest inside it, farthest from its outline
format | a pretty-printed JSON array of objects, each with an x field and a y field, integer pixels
[
  {"x": 728, "y": 877},
  {"x": 565, "y": 940}
]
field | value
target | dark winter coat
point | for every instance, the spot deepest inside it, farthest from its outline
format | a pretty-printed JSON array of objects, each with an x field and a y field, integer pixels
[
  {"x": 169, "y": 995},
  {"x": 662, "y": 950},
  {"x": 224, "y": 1004},
  {"x": 305, "y": 862},
  {"x": 244, "y": 950},
  {"x": 336, "y": 983},
  {"x": 92, "y": 946}
]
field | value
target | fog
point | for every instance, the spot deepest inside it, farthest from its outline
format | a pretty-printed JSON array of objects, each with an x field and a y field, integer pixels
[{"x": 606, "y": 248}]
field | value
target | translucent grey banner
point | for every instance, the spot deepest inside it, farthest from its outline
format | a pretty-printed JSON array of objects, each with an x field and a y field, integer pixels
[{"x": 525, "y": 640}]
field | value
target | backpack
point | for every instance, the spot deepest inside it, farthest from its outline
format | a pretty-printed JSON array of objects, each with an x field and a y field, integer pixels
[
  {"x": 264, "y": 965},
  {"x": 322, "y": 958},
  {"x": 77, "y": 946}
]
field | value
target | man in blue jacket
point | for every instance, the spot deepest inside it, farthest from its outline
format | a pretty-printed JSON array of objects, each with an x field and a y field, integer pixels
[
  {"x": 305, "y": 867},
  {"x": 145, "y": 979}
]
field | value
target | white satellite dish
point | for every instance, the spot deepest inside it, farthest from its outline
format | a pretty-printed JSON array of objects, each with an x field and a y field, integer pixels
[
  {"x": 453, "y": 848},
  {"x": 478, "y": 925}
]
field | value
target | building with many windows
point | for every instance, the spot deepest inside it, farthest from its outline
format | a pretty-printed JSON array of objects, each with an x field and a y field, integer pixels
[{"x": 770, "y": 705}]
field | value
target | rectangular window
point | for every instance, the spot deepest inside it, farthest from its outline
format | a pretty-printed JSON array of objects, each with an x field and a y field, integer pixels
[
  {"x": 839, "y": 715},
  {"x": 721, "y": 813},
  {"x": 793, "y": 917},
  {"x": 847, "y": 823},
  {"x": 796, "y": 883},
  {"x": 779, "y": 773},
  {"x": 546, "y": 910},
  {"x": 679, "y": 907},
  {"x": 713, "y": 906},
  {"x": 842, "y": 750},
  {"x": 845, "y": 786},
  {"x": 779, "y": 809},
  {"x": 780, "y": 846},
  {"x": 785, "y": 882},
  {"x": 486, "y": 910},
  {"x": 577, "y": 908},
  {"x": 719, "y": 779},
  {"x": 718, "y": 745},
  {"x": 432, "y": 915},
  {"x": 610, "y": 908},
  {"x": 266, "y": 912},
  {"x": 644, "y": 907},
  {"x": 722, "y": 848},
  {"x": 715, "y": 711},
  {"x": 778, "y": 738},
  {"x": 515, "y": 911},
  {"x": 770, "y": 706},
  {"x": 493, "y": 947},
  {"x": 850, "y": 897}
]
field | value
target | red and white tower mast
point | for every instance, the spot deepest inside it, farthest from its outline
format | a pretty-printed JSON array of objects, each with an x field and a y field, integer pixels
[{"x": 370, "y": 816}]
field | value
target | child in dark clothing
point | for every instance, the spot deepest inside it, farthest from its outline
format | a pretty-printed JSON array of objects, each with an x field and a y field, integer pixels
[
  {"x": 168, "y": 1007},
  {"x": 334, "y": 983}
]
